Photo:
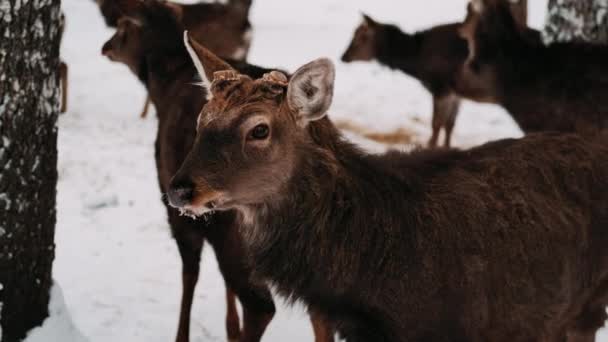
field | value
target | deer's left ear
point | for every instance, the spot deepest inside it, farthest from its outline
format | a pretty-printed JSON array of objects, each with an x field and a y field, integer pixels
[{"x": 311, "y": 89}]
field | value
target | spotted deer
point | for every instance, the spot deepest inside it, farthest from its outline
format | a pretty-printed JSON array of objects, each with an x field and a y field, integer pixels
[
  {"x": 434, "y": 57},
  {"x": 559, "y": 87},
  {"x": 503, "y": 242},
  {"x": 148, "y": 40},
  {"x": 224, "y": 28}
]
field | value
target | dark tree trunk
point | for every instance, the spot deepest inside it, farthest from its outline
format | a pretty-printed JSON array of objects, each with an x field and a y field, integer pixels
[
  {"x": 29, "y": 103},
  {"x": 577, "y": 20}
]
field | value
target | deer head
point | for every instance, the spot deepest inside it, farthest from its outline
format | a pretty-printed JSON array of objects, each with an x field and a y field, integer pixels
[
  {"x": 363, "y": 44},
  {"x": 249, "y": 133},
  {"x": 145, "y": 26}
]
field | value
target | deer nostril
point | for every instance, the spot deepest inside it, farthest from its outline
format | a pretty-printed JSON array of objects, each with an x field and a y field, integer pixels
[{"x": 181, "y": 194}]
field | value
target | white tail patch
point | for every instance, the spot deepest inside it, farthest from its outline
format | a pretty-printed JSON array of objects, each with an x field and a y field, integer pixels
[{"x": 199, "y": 66}]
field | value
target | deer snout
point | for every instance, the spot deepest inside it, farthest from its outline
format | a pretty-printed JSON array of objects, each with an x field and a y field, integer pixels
[
  {"x": 106, "y": 50},
  {"x": 346, "y": 58},
  {"x": 181, "y": 193}
]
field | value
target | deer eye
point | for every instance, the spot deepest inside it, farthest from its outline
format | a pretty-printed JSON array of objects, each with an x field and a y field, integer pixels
[{"x": 259, "y": 132}]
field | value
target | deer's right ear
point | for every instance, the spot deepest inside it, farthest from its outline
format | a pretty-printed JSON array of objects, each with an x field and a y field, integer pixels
[
  {"x": 368, "y": 20},
  {"x": 311, "y": 89},
  {"x": 477, "y": 6},
  {"x": 205, "y": 61}
]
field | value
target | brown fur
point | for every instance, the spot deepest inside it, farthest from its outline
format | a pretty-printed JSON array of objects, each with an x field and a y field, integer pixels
[
  {"x": 434, "y": 57},
  {"x": 560, "y": 87},
  {"x": 504, "y": 242}
]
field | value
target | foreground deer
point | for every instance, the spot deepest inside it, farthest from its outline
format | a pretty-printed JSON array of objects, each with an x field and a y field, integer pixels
[
  {"x": 148, "y": 40},
  {"x": 560, "y": 87},
  {"x": 504, "y": 242},
  {"x": 224, "y": 28},
  {"x": 433, "y": 56}
]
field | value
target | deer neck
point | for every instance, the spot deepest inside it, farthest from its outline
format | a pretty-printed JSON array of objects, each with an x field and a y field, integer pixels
[
  {"x": 398, "y": 50},
  {"x": 316, "y": 223}
]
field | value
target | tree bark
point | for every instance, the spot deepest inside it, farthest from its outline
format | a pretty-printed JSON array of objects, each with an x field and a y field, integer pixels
[
  {"x": 577, "y": 20},
  {"x": 29, "y": 104}
]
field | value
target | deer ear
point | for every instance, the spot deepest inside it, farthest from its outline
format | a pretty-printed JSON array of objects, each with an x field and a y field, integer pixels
[
  {"x": 477, "y": 6},
  {"x": 311, "y": 89},
  {"x": 205, "y": 61},
  {"x": 368, "y": 20}
]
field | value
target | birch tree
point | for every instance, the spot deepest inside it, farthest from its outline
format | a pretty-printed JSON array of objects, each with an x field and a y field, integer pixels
[
  {"x": 577, "y": 20},
  {"x": 29, "y": 103}
]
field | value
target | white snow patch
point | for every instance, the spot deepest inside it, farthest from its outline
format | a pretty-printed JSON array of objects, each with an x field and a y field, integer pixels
[{"x": 58, "y": 326}]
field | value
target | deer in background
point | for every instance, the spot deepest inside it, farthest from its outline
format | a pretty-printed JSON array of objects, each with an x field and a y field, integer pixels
[
  {"x": 224, "y": 28},
  {"x": 148, "y": 40},
  {"x": 559, "y": 87},
  {"x": 504, "y": 242},
  {"x": 433, "y": 56}
]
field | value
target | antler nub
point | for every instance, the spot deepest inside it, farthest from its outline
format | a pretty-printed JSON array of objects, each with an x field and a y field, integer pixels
[{"x": 276, "y": 78}]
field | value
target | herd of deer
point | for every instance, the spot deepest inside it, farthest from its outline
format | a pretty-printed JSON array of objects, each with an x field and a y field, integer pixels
[{"x": 504, "y": 242}]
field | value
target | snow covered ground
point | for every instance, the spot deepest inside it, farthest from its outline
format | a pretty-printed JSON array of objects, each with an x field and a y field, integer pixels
[{"x": 116, "y": 263}]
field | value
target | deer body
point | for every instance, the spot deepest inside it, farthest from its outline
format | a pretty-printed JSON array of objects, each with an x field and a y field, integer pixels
[
  {"x": 498, "y": 243},
  {"x": 559, "y": 87},
  {"x": 434, "y": 57}
]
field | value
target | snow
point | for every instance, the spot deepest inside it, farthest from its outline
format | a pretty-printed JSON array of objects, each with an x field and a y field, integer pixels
[
  {"x": 115, "y": 260},
  {"x": 59, "y": 326}
]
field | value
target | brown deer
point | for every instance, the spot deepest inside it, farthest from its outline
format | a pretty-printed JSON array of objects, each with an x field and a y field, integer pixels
[
  {"x": 560, "y": 87},
  {"x": 434, "y": 57},
  {"x": 504, "y": 242},
  {"x": 224, "y": 28},
  {"x": 148, "y": 40}
]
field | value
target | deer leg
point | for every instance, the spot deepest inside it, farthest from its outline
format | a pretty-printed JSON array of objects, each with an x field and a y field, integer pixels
[
  {"x": 452, "y": 112},
  {"x": 322, "y": 329},
  {"x": 233, "y": 325},
  {"x": 63, "y": 74},
  {"x": 439, "y": 118},
  {"x": 190, "y": 245},
  {"x": 144, "y": 111},
  {"x": 255, "y": 297}
]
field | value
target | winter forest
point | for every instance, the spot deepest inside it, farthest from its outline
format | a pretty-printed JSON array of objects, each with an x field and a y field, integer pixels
[{"x": 322, "y": 170}]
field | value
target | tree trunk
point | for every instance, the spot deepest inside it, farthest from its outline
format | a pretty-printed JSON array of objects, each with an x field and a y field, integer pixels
[
  {"x": 29, "y": 103},
  {"x": 577, "y": 20}
]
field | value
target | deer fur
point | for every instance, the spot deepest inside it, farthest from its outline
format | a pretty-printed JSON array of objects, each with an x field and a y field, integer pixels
[
  {"x": 560, "y": 87},
  {"x": 503, "y": 242}
]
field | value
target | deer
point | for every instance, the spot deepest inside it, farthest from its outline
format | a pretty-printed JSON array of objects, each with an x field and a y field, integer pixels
[
  {"x": 502, "y": 242},
  {"x": 433, "y": 56},
  {"x": 558, "y": 87},
  {"x": 148, "y": 40},
  {"x": 224, "y": 28}
]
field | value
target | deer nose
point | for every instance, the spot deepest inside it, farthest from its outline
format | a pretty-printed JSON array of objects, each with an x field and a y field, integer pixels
[
  {"x": 181, "y": 193},
  {"x": 106, "y": 49}
]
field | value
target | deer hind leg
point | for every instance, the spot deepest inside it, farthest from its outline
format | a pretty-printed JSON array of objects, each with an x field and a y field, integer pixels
[
  {"x": 63, "y": 75},
  {"x": 452, "y": 113},
  {"x": 190, "y": 245},
  {"x": 255, "y": 297},
  {"x": 441, "y": 107},
  {"x": 322, "y": 329}
]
